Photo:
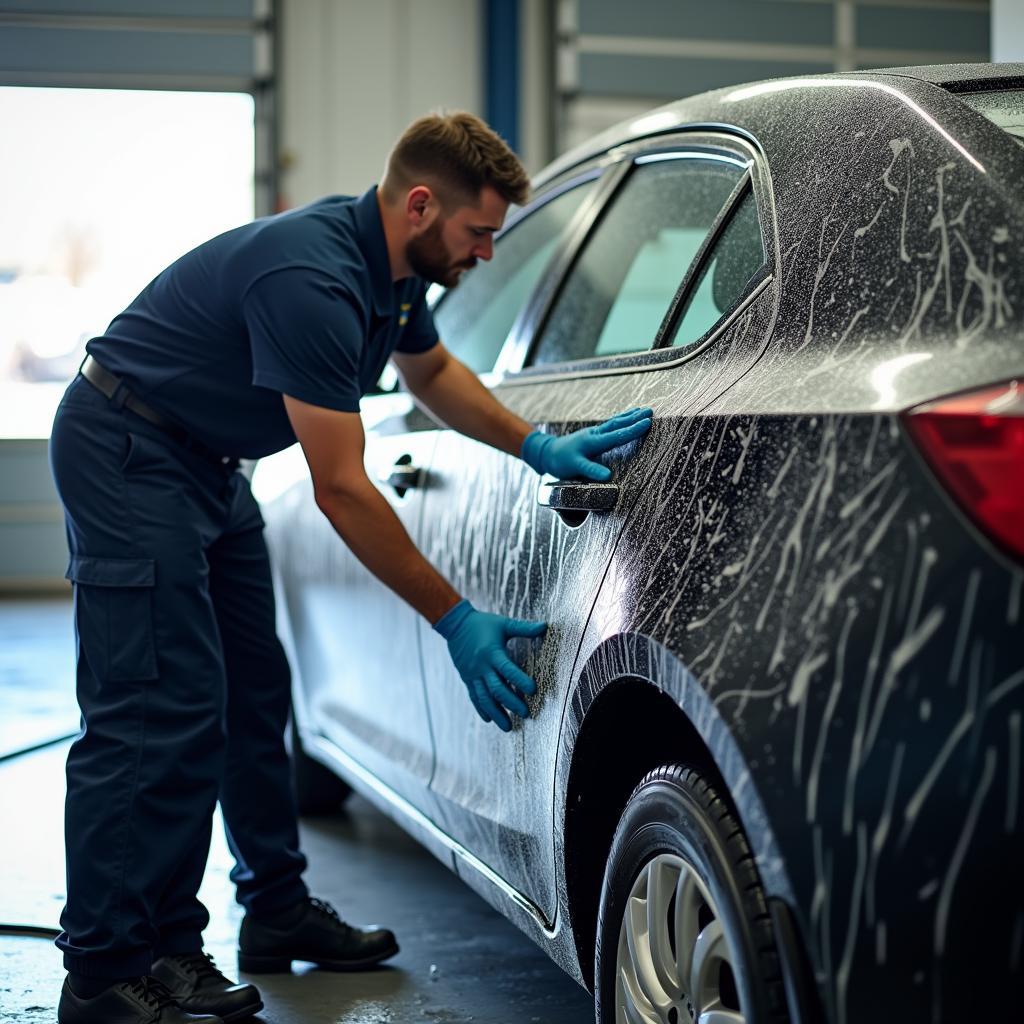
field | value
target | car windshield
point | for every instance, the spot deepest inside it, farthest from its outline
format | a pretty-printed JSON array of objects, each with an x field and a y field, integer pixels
[{"x": 1004, "y": 108}]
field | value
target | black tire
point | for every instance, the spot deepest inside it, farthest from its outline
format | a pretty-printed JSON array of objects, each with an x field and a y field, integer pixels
[
  {"x": 318, "y": 790},
  {"x": 675, "y": 812}
]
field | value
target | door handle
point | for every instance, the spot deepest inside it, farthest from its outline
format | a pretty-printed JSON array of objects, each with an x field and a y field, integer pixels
[
  {"x": 577, "y": 497},
  {"x": 403, "y": 475}
]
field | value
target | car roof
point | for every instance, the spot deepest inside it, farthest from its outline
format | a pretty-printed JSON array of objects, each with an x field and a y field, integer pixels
[
  {"x": 960, "y": 77},
  {"x": 767, "y": 110}
]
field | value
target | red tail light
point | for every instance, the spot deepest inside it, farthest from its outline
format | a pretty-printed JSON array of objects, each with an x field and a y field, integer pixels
[{"x": 975, "y": 444}]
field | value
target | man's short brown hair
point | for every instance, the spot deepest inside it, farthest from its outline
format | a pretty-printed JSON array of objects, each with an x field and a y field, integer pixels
[{"x": 455, "y": 155}]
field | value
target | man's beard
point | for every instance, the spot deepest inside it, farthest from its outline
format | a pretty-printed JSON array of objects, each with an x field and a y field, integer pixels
[{"x": 430, "y": 259}]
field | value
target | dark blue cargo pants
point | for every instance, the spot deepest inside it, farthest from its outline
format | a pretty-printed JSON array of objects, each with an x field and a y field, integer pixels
[{"x": 183, "y": 686}]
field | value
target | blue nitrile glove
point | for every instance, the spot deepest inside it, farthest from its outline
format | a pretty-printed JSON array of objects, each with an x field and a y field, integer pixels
[
  {"x": 572, "y": 455},
  {"x": 476, "y": 642}
]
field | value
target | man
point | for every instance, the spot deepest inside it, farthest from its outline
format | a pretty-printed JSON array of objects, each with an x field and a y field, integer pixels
[{"x": 266, "y": 334}]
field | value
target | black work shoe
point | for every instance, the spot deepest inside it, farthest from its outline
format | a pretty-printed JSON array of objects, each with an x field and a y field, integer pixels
[
  {"x": 317, "y": 935},
  {"x": 143, "y": 1001},
  {"x": 198, "y": 987}
]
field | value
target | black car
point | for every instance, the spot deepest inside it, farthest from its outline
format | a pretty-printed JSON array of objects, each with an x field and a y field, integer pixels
[{"x": 773, "y": 769}]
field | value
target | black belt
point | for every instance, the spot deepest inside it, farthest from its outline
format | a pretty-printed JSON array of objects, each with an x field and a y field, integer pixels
[{"x": 115, "y": 389}]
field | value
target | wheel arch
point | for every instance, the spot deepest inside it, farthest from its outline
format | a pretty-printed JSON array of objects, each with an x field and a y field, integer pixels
[{"x": 630, "y": 681}]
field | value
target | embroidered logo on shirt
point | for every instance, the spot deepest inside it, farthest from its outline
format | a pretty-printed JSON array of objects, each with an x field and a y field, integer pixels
[{"x": 403, "y": 317}]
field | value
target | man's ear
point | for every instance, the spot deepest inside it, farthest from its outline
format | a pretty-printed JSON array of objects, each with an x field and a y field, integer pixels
[{"x": 418, "y": 204}]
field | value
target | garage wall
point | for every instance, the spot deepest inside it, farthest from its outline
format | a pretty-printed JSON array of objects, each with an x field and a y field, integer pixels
[
  {"x": 617, "y": 59},
  {"x": 355, "y": 74},
  {"x": 1007, "y": 30},
  {"x": 33, "y": 550},
  {"x": 208, "y": 45},
  {"x": 352, "y": 74}
]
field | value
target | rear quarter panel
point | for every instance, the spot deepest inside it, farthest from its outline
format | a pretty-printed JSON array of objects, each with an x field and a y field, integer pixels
[{"x": 858, "y": 638}]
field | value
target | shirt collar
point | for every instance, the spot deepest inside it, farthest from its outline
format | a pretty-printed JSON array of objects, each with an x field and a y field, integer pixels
[{"x": 370, "y": 230}]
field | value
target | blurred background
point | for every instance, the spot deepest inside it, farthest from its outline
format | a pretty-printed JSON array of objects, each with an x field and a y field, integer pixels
[{"x": 132, "y": 130}]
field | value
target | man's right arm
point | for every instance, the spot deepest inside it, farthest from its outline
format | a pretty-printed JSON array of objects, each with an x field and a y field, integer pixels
[{"x": 333, "y": 443}]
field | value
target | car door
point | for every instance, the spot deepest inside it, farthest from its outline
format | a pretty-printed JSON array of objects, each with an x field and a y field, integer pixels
[
  {"x": 632, "y": 323},
  {"x": 356, "y": 642},
  {"x": 355, "y": 645}
]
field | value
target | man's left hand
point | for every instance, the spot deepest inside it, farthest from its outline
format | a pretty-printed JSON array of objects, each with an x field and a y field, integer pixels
[{"x": 574, "y": 455}]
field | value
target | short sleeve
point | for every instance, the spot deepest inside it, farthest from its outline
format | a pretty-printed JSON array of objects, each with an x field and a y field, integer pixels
[
  {"x": 306, "y": 334},
  {"x": 419, "y": 334}
]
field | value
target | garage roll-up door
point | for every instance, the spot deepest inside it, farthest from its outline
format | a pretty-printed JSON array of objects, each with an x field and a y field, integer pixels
[
  {"x": 617, "y": 59},
  {"x": 204, "y": 45},
  {"x": 165, "y": 44},
  {"x": 47, "y": 46}
]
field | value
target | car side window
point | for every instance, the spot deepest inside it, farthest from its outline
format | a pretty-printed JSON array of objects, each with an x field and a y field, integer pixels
[
  {"x": 735, "y": 258},
  {"x": 621, "y": 287},
  {"x": 474, "y": 320}
]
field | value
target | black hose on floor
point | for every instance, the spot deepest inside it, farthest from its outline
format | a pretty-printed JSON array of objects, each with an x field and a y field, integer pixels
[
  {"x": 31, "y": 931},
  {"x": 11, "y": 754}
]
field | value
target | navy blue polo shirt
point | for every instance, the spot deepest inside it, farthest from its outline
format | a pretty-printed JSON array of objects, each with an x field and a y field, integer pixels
[{"x": 301, "y": 303}]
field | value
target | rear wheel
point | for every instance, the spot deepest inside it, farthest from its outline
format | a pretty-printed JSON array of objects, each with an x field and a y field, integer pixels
[
  {"x": 317, "y": 789},
  {"x": 684, "y": 934}
]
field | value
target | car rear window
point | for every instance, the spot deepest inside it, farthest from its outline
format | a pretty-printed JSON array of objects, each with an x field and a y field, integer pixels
[
  {"x": 1004, "y": 108},
  {"x": 618, "y": 292}
]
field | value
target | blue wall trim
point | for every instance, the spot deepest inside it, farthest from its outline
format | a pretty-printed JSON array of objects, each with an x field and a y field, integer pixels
[{"x": 501, "y": 68}]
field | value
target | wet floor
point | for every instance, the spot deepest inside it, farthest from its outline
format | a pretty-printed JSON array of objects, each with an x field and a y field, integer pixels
[
  {"x": 37, "y": 692},
  {"x": 460, "y": 960}
]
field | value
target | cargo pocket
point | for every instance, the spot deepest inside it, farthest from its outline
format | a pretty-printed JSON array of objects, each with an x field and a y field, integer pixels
[{"x": 114, "y": 612}]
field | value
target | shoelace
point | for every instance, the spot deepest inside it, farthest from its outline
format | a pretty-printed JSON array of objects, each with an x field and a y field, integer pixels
[
  {"x": 204, "y": 966},
  {"x": 326, "y": 909},
  {"x": 153, "y": 993}
]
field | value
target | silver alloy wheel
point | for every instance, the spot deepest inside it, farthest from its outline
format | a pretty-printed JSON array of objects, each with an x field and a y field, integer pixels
[{"x": 674, "y": 962}]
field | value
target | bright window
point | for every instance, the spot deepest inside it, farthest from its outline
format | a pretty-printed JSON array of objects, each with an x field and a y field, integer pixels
[
  {"x": 737, "y": 256},
  {"x": 99, "y": 191},
  {"x": 1004, "y": 108},
  {"x": 621, "y": 287}
]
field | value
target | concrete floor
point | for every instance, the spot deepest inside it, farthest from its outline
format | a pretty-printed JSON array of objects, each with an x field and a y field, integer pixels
[
  {"x": 460, "y": 961},
  {"x": 37, "y": 673}
]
